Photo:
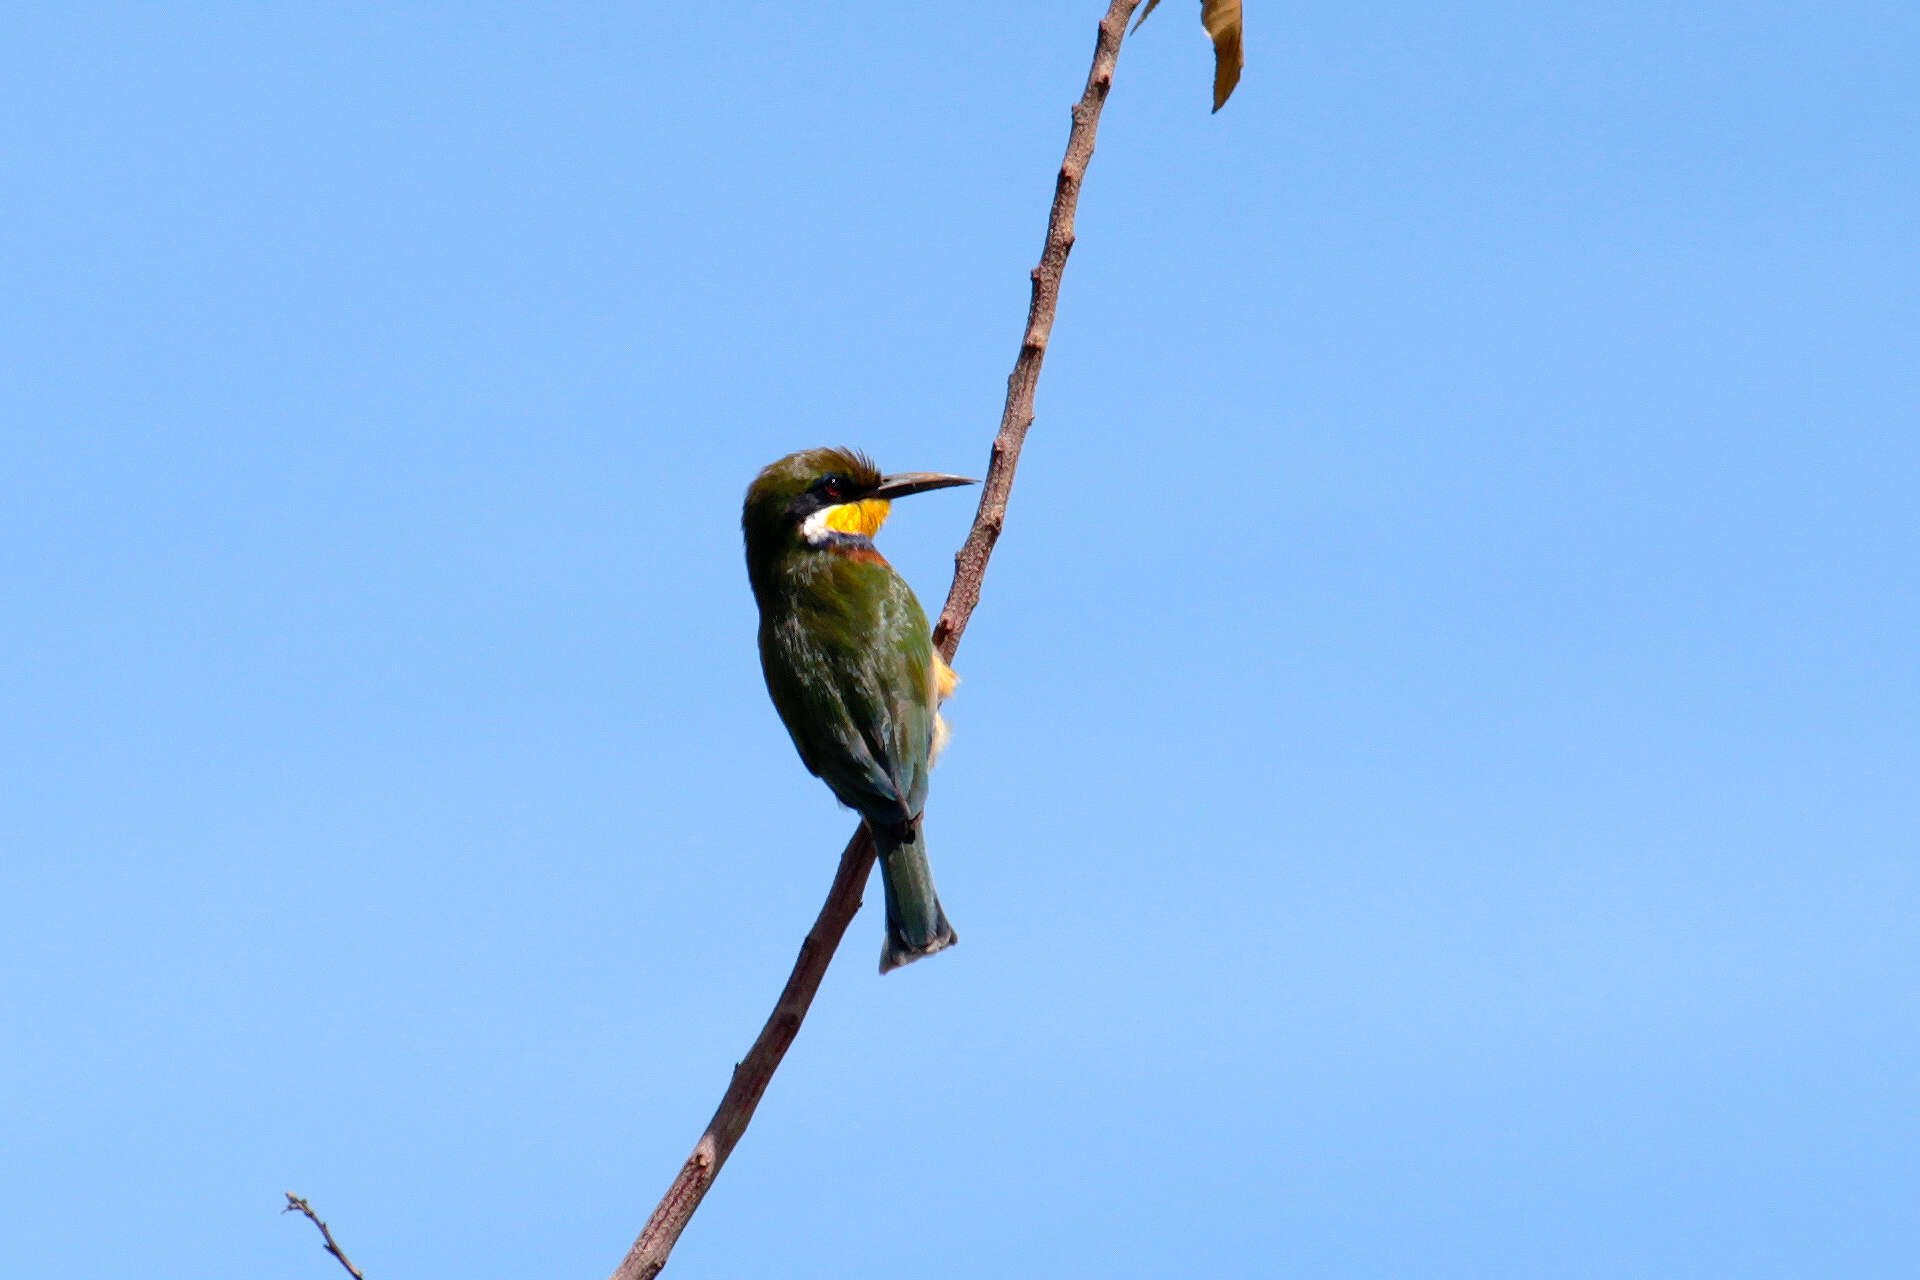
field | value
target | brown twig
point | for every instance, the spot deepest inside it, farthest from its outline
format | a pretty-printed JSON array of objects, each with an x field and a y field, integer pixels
[
  {"x": 752, "y": 1074},
  {"x": 970, "y": 562},
  {"x": 296, "y": 1204}
]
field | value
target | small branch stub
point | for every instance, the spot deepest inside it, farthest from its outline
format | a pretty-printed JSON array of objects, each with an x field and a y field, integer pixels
[{"x": 296, "y": 1204}]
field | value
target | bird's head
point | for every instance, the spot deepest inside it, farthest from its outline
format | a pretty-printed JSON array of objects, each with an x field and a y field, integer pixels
[{"x": 817, "y": 497}]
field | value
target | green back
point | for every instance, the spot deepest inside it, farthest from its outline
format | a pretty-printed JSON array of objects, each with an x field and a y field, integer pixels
[{"x": 848, "y": 658}]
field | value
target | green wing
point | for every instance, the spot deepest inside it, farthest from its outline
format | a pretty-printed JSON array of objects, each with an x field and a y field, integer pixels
[{"x": 850, "y": 667}]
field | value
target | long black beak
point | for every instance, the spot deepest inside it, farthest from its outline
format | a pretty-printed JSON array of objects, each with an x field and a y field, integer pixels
[{"x": 891, "y": 487}]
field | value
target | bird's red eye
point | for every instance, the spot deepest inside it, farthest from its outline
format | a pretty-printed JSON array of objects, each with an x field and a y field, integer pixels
[{"x": 832, "y": 487}]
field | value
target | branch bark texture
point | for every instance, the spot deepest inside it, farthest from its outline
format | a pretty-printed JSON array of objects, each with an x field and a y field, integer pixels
[
  {"x": 753, "y": 1073},
  {"x": 970, "y": 563}
]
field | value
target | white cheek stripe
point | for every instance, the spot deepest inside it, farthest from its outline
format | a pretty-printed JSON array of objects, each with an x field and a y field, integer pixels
[{"x": 814, "y": 528}]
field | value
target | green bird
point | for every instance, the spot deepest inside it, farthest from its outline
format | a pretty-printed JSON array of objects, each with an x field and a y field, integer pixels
[{"x": 849, "y": 661}]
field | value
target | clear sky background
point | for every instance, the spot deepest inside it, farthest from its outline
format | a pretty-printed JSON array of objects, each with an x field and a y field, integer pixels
[{"x": 1433, "y": 792}]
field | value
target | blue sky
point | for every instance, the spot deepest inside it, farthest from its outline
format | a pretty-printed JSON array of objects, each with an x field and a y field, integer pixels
[{"x": 1433, "y": 788}]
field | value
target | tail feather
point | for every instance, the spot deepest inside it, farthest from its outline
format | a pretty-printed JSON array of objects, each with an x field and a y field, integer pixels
[{"x": 916, "y": 924}]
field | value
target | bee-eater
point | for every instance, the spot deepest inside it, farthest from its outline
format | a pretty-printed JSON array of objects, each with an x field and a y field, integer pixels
[{"x": 849, "y": 661}]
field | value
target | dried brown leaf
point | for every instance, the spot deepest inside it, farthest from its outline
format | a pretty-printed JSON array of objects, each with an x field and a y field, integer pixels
[{"x": 1221, "y": 18}]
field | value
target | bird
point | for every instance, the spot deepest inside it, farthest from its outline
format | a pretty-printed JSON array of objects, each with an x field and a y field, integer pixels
[{"x": 850, "y": 664}]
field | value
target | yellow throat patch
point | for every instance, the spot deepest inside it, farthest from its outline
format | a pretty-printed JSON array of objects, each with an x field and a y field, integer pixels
[{"x": 862, "y": 518}]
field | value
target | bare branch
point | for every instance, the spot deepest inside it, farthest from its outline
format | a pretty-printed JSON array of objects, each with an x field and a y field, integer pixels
[
  {"x": 970, "y": 563},
  {"x": 296, "y": 1204},
  {"x": 752, "y": 1074}
]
